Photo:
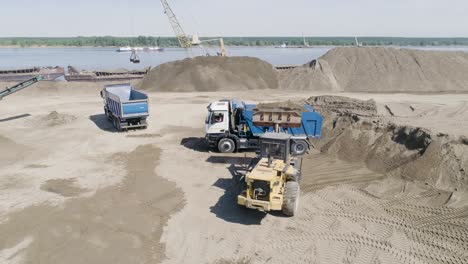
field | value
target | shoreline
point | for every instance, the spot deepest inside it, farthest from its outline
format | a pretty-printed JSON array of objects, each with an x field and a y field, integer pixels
[{"x": 277, "y": 47}]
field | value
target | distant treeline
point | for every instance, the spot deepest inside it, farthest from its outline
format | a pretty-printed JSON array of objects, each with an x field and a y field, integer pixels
[{"x": 231, "y": 41}]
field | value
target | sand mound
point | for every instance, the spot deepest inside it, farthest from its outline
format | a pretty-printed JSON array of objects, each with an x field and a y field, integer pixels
[
  {"x": 317, "y": 76},
  {"x": 211, "y": 74},
  {"x": 381, "y": 69},
  {"x": 287, "y": 106},
  {"x": 353, "y": 132},
  {"x": 55, "y": 119},
  {"x": 63, "y": 187},
  {"x": 343, "y": 105}
]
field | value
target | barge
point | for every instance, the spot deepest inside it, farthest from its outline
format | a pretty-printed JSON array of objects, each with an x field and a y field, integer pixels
[
  {"x": 75, "y": 75},
  {"x": 21, "y": 75},
  {"x": 130, "y": 49}
]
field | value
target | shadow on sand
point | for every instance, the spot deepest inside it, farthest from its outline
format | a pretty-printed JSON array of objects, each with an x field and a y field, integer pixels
[
  {"x": 14, "y": 118},
  {"x": 195, "y": 143},
  {"x": 103, "y": 123},
  {"x": 227, "y": 208},
  {"x": 199, "y": 144}
]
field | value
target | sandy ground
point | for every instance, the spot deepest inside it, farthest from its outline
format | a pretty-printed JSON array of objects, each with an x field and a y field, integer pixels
[{"x": 75, "y": 191}]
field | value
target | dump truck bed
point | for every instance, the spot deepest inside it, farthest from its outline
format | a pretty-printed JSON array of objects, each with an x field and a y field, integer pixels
[
  {"x": 307, "y": 123},
  {"x": 124, "y": 101}
]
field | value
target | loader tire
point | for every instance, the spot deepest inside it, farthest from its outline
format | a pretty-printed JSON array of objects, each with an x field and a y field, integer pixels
[
  {"x": 226, "y": 145},
  {"x": 298, "y": 167},
  {"x": 291, "y": 198}
]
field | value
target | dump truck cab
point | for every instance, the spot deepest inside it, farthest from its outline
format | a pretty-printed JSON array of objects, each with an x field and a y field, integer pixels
[
  {"x": 273, "y": 184},
  {"x": 217, "y": 120},
  {"x": 232, "y": 125}
]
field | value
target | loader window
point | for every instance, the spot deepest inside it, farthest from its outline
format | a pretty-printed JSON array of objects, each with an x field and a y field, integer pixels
[
  {"x": 217, "y": 118},
  {"x": 273, "y": 149}
]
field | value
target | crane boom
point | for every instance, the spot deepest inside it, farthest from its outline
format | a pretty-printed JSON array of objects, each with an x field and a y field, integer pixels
[{"x": 184, "y": 40}]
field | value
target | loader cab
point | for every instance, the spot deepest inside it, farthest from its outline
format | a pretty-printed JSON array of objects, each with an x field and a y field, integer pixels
[
  {"x": 275, "y": 146},
  {"x": 217, "y": 119}
]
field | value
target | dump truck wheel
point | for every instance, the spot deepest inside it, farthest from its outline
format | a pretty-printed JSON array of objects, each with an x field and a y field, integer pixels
[
  {"x": 106, "y": 114},
  {"x": 299, "y": 147},
  {"x": 226, "y": 145},
  {"x": 114, "y": 122},
  {"x": 291, "y": 198}
]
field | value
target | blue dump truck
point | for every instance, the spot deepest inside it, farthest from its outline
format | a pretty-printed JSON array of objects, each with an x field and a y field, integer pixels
[
  {"x": 233, "y": 125},
  {"x": 125, "y": 107}
]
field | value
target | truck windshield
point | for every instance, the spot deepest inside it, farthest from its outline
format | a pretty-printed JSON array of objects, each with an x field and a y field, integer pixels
[{"x": 217, "y": 117}]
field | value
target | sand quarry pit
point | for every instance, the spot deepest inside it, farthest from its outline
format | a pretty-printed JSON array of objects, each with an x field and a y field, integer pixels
[{"x": 387, "y": 183}]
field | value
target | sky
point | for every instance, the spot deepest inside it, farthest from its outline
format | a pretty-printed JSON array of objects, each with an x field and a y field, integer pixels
[{"x": 395, "y": 18}]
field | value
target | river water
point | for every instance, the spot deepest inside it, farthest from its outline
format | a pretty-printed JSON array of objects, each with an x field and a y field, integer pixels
[{"x": 108, "y": 58}]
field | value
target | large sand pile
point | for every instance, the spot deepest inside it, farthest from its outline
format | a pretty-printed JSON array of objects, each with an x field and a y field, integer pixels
[
  {"x": 211, "y": 74},
  {"x": 353, "y": 132},
  {"x": 380, "y": 69}
]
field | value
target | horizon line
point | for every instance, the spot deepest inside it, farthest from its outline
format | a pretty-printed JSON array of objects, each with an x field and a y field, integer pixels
[{"x": 94, "y": 36}]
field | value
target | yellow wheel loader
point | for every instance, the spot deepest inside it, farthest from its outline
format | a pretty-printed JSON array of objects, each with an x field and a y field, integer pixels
[{"x": 273, "y": 183}]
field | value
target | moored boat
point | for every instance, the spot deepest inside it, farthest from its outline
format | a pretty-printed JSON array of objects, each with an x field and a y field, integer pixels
[
  {"x": 75, "y": 75},
  {"x": 130, "y": 49},
  {"x": 19, "y": 75}
]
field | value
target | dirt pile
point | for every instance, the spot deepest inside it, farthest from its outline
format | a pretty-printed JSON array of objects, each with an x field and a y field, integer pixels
[
  {"x": 55, "y": 119},
  {"x": 64, "y": 187},
  {"x": 343, "y": 105},
  {"x": 287, "y": 106},
  {"x": 413, "y": 153},
  {"x": 317, "y": 76},
  {"x": 211, "y": 74},
  {"x": 379, "y": 69}
]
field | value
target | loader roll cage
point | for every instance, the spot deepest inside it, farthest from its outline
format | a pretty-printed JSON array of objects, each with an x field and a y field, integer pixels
[{"x": 275, "y": 145}]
